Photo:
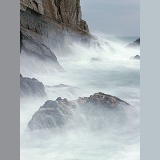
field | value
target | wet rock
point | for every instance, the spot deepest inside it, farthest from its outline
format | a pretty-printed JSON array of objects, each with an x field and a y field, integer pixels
[
  {"x": 31, "y": 87},
  {"x": 53, "y": 114},
  {"x": 56, "y": 114}
]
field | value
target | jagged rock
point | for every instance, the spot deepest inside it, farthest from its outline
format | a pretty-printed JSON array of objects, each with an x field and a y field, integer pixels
[
  {"x": 53, "y": 23},
  {"x": 136, "y": 43},
  {"x": 53, "y": 114},
  {"x": 31, "y": 87},
  {"x": 56, "y": 114},
  {"x": 35, "y": 5}
]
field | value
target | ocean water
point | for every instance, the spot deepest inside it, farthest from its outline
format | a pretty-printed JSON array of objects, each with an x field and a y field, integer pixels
[{"x": 106, "y": 137}]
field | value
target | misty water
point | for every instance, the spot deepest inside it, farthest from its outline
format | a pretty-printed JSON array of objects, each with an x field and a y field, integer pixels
[{"x": 87, "y": 71}]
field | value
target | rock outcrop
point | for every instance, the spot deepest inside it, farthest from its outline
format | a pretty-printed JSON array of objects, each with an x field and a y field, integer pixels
[
  {"x": 102, "y": 100},
  {"x": 56, "y": 114},
  {"x": 53, "y": 22},
  {"x": 135, "y": 44},
  {"x": 31, "y": 87},
  {"x": 67, "y": 12}
]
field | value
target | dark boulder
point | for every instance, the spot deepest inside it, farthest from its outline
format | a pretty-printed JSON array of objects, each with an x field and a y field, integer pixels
[{"x": 31, "y": 87}]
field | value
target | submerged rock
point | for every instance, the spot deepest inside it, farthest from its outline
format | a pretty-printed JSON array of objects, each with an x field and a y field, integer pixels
[
  {"x": 31, "y": 87},
  {"x": 56, "y": 114}
]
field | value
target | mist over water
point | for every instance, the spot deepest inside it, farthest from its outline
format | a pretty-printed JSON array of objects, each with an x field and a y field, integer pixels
[{"x": 90, "y": 135}]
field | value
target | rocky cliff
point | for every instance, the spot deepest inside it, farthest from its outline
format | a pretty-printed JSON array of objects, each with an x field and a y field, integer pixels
[{"x": 53, "y": 23}]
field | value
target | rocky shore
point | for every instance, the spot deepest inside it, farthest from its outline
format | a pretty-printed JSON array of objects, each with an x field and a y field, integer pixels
[{"x": 56, "y": 114}]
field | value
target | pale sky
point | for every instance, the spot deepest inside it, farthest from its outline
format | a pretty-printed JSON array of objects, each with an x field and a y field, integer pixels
[{"x": 112, "y": 17}]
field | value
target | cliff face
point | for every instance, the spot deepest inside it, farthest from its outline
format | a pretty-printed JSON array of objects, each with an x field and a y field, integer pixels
[
  {"x": 65, "y": 12},
  {"x": 53, "y": 23}
]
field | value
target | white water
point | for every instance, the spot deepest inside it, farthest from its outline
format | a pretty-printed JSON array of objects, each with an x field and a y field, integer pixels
[{"x": 94, "y": 139}]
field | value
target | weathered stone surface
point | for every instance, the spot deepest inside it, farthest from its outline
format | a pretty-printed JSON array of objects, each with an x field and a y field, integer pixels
[
  {"x": 31, "y": 87},
  {"x": 102, "y": 100},
  {"x": 56, "y": 114},
  {"x": 35, "y": 5},
  {"x": 53, "y": 23}
]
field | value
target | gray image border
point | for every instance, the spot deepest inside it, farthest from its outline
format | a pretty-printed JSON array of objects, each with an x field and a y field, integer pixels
[
  {"x": 9, "y": 81},
  {"x": 150, "y": 80}
]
